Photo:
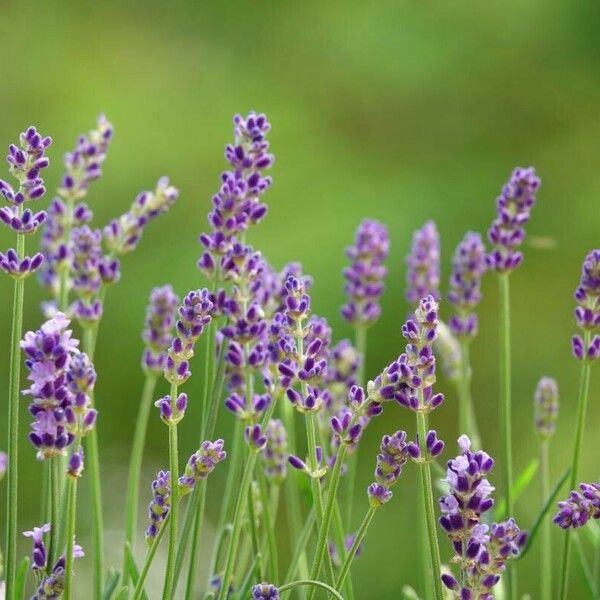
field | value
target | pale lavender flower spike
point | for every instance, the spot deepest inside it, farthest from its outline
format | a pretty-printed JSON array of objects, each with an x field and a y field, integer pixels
[
  {"x": 423, "y": 264},
  {"x": 587, "y": 312}
]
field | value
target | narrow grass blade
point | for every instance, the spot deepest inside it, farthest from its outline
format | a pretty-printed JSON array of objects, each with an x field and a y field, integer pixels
[
  {"x": 21, "y": 578},
  {"x": 519, "y": 486}
]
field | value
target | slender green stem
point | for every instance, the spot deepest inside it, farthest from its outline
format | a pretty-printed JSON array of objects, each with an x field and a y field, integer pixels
[
  {"x": 546, "y": 547},
  {"x": 340, "y": 540},
  {"x": 427, "y": 486},
  {"x": 139, "y": 586},
  {"x": 300, "y": 548},
  {"x": 467, "y": 420},
  {"x": 13, "y": 424},
  {"x": 54, "y": 468},
  {"x": 313, "y": 584},
  {"x": 292, "y": 495},
  {"x": 174, "y": 511},
  {"x": 93, "y": 467},
  {"x": 135, "y": 466},
  {"x": 506, "y": 411},
  {"x": 237, "y": 523},
  {"x": 260, "y": 570},
  {"x": 197, "y": 528},
  {"x": 70, "y": 535},
  {"x": 584, "y": 385},
  {"x": 269, "y": 525},
  {"x": 321, "y": 548},
  {"x": 360, "y": 534}
]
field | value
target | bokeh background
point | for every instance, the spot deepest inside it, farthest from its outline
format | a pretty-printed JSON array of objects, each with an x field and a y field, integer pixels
[{"x": 398, "y": 111}]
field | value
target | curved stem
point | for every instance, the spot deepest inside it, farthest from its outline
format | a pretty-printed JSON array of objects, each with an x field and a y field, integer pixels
[
  {"x": 427, "y": 487},
  {"x": 584, "y": 384},
  {"x": 135, "y": 465},
  {"x": 360, "y": 534},
  {"x": 314, "y": 584},
  {"x": 13, "y": 424},
  {"x": 139, "y": 586},
  {"x": 546, "y": 547},
  {"x": 237, "y": 523},
  {"x": 174, "y": 511},
  {"x": 70, "y": 535}
]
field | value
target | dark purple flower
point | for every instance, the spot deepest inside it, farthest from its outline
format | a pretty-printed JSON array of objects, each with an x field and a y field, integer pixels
[
  {"x": 546, "y": 407},
  {"x": 39, "y": 554},
  {"x": 201, "y": 464},
  {"x": 265, "y": 591},
  {"x": 75, "y": 467},
  {"x": 587, "y": 313},
  {"x": 468, "y": 267},
  {"x": 423, "y": 264},
  {"x": 579, "y": 507},
  {"x": 159, "y": 506},
  {"x": 365, "y": 276},
  {"x": 19, "y": 268},
  {"x": 255, "y": 438},
  {"x": 52, "y": 585},
  {"x": 513, "y": 209}
]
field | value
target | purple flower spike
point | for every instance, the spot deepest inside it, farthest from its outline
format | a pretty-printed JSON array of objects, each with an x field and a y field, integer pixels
[
  {"x": 480, "y": 550},
  {"x": 158, "y": 331},
  {"x": 468, "y": 267},
  {"x": 201, "y": 464},
  {"x": 172, "y": 412},
  {"x": 159, "y": 506},
  {"x": 579, "y": 507},
  {"x": 423, "y": 264},
  {"x": 587, "y": 312},
  {"x": 275, "y": 453},
  {"x": 513, "y": 209},
  {"x": 255, "y": 438},
  {"x": 20, "y": 269},
  {"x": 265, "y": 591},
  {"x": 378, "y": 495},
  {"x": 546, "y": 407},
  {"x": 365, "y": 276}
]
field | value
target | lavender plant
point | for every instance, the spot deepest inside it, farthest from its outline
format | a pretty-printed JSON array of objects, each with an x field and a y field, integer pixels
[{"x": 278, "y": 369}]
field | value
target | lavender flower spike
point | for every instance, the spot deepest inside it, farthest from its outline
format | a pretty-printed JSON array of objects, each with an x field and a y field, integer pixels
[
  {"x": 158, "y": 333},
  {"x": 587, "y": 313},
  {"x": 201, "y": 464},
  {"x": 546, "y": 407},
  {"x": 159, "y": 506},
  {"x": 513, "y": 209},
  {"x": 275, "y": 454},
  {"x": 579, "y": 507},
  {"x": 365, "y": 276},
  {"x": 468, "y": 267},
  {"x": 265, "y": 591},
  {"x": 481, "y": 551},
  {"x": 423, "y": 264}
]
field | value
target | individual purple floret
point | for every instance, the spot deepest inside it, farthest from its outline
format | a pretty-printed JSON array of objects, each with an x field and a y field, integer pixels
[
  {"x": 238, "y": 406},
  {"x": 545, "y": 407},
  {"x": 201, "y": 464},
  {"x": 579, "y": 507},
  {"x": 19, "y": 268},
  {"x": 587, "y": 313},
  {"x": 481, "y": 551},
  {"x": 158, "y": 330},
  {"x": 275, "y": 453},
  {"x": 255, "y": 437},
  {"x": 51, "y": 586},
  {"x": 194, "y": 315},
  {"x": 48, "y": 353},
  {"x": 172, "y": 412},
  {"x": 366, "y": 273},
  {"x": 39, "y": 554},
  {"x": 238, "y": 204},
  {"x": 159, "y": 506},
  {"x": 468, "y": 267},
  {"x": 513, "y": 209},
  {"x": 423, "y": 264},
  {"x": 265, "y": 591},
  {"x": 75, "y": 464},
  {"x": 123, "y": 234}
]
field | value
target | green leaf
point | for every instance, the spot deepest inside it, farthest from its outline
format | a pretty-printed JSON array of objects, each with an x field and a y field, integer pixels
[
  {"x": 112, "y": 581},
  {"x": 132, "y": 571},
  {"x": 543, "y": 511},
  {"x": 21, "y": 577},
  {"x": 123, "y": 593},
  {"x": 520, "y": 484}
]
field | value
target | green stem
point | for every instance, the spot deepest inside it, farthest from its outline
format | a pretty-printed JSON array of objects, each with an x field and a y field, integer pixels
[
  {"x": 260, "y": 570},
  {"x": 360, "y": 534},
  {"x": 174, "y": 511},
  {"x": 70, "y": 535},
  {"x": 321, "y": 548},
  {"x": 135, "y": 465},
  {"x": 93, "y": 466},
  {"x": 426, "y": 484},
  {"x": 197, "y": 529},
  {"x": 13, "y": 424},
  {"x": 584, "y": 384},
  {"x": 467, "y": 420},
  {"x": 313, "y": 584},
  {"x": 300, "y": 548},
  {"x": 237, "y": 523},
  {"x": 139, "y": 586},
  {"x": 269, "y": 525},
  {"x": 294, "y": 512},
  {"x": 546, "y": 547},
  {"x": 506, "y": 411},
  {"x": 54, "y": 468}
]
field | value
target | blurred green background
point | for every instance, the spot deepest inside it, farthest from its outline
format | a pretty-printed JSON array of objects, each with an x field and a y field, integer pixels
[{"x": 400, "y": 111}]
